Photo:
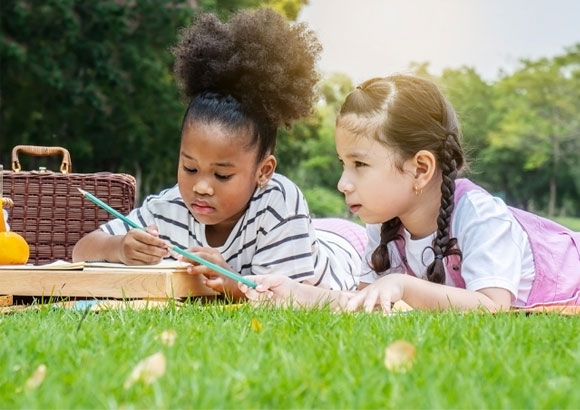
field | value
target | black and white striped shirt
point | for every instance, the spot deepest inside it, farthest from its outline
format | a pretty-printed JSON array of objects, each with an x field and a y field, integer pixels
[{"x": 274, "y": 235}]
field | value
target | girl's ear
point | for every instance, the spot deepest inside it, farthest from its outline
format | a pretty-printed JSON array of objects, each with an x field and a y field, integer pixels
[
  {"x": 425, "y": 166},
  {"x": 266, "y": 169}
]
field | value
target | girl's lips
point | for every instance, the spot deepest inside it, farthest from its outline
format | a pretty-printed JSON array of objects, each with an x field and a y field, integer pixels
[
  {"x": 202, "y": 209},
  {"x": 354, "y": 208}
]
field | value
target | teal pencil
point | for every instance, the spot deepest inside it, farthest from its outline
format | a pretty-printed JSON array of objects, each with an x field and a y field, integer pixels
[{"x": 213, "y": 266}]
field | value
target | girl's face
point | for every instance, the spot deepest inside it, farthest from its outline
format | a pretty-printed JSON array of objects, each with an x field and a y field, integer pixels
[
  {"x": 217, "y": 175},
  {"x": 374, "y": 188}
]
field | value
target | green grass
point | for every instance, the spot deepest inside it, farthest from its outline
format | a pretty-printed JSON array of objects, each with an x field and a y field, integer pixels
[
  {"x": 301, "y": 359},
  {"x": 570, "y": 222}
]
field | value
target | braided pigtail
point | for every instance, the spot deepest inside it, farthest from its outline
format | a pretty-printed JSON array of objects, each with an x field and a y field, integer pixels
[
  {"x": 380, "y": 259},
  {"x": 443, "y": 245}
]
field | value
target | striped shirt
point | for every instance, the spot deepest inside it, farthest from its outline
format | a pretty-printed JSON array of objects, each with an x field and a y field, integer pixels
[{"x": 274, "y": 235}]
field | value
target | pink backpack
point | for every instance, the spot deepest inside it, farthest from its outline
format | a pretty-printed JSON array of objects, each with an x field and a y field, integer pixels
[{"x": 556, "y": 251}]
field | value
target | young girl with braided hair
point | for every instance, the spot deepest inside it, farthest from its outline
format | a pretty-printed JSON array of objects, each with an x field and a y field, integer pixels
[
  {"x": 244, "y": 78},
  {"x": 435, "y": 241}
]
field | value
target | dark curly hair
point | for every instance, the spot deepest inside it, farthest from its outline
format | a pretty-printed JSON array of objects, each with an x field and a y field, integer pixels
[
  {"x": 255, "y": 71},
  {"x": 410, "y": 114}
]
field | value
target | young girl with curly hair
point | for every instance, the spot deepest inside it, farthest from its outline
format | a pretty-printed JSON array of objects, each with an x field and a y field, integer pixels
[
  {"x": 244, "y": 79},
  {"x": 435, "y": 241}
]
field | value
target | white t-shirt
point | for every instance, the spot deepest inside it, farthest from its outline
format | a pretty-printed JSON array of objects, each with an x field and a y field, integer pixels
[
  {"x": 274, "y": 235},
  {"x": 495, "y": 248}
]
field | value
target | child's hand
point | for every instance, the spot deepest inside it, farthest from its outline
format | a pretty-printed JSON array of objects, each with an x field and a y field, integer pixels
[
  {"x": 389, "y": 289},
  {"x": 213, "y": 280},
  {"x": 276, "y": 289},
  {"x": 142, "y": 248}
]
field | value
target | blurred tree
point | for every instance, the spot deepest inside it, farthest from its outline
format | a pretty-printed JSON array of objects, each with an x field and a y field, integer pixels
[
  {"x": 97, "y": 78},
  {"x": 307, "y": 153},
  {"x": 289, "y": 8},
  {"x": 538, "y": 105},
  {"x": 223, "y": 8},
  {"x": 333, "y": 91},
  {"x": 514, "y": 130},
  {"x": 473, "y": 100}
]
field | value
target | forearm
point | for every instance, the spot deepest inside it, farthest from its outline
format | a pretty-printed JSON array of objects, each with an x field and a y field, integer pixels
[
  {"x": 311, "y": 296},
  {"x": 422, "y": 294},
  {"x": 97, "y": 245}
]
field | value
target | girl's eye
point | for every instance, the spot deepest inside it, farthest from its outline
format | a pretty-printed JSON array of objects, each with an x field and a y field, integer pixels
[
  {"x": 189, "y": 170},
  {"x": 223, "y": 177},
  {"x": 359, "y": 164}
]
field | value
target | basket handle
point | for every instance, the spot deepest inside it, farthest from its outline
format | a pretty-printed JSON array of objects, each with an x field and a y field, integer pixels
[{"x": 38, "y": 151}]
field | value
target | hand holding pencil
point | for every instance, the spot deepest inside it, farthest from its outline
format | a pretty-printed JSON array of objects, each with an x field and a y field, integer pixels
[
  {"x": 143, "y": 247},
  {"x": 166, "y": 246}
]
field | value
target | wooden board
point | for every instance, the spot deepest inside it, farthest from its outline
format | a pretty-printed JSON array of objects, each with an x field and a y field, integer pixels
[{"x": 114, "y": 284}]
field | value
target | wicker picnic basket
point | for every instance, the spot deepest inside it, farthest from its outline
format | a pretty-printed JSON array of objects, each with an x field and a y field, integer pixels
[{"x": 48, "y": 210}]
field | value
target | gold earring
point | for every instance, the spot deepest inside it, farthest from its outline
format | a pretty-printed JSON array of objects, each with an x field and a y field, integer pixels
[{"x": 417, "y": 190}]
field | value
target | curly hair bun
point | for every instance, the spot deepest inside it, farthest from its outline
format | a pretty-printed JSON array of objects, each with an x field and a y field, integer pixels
[{"x": 257, "y": 57}]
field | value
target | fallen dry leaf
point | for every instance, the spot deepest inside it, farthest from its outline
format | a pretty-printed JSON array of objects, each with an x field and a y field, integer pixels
[
  {"x": 399, "y": 356},
  {"x": 6, "y": 300},
  {"x": 147, "y": 370},
  {"x": 256, "y": 326},
  {"x": 37, "y": 378},
  {"x": 401, "y": 306},
  {"x": 168, "y": 337},
  {"x": 232, "y": 306}
]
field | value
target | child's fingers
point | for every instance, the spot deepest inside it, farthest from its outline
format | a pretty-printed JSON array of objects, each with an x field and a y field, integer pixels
[
  {"x": 135, "y": 257},
  {"x": 202, "y": 270},
  {"x": 385, "y": 300},
  {"x": 148, "y": 258},
  {"x": 370, "y": 300},
  {"x": 268, "y": 282},
  {"x": 147, "y": 239},
  {"x": 208, "y": 254},
  {"x": 216, "y": 283},
  {"x": 152, "y": 230},
  {"x": 250, "y": 293},
  {"x": 259, "y": 293},
  {"x": 153, "y": 251},
  {"x": 136, "y": 249},
  {"x": 355, "y": 301},
  {"x": 258, "y": 297}
]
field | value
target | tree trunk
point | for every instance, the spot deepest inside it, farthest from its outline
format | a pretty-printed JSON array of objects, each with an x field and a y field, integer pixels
[
  {"x": 139, "y": 179},
  {"x": 553, "y": 193}
]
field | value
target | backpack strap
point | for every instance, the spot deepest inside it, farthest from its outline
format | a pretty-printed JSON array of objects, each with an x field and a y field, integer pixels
[
  {"x": 400, "y": 244},
  {"x": 453, "y": 262}
]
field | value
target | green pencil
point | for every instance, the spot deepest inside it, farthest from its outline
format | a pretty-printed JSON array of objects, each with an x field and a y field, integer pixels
[{"x": 213, "y": 266}]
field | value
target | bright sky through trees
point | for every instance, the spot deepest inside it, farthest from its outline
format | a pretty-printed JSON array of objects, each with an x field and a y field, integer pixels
[{"x": 367, "y": 38}]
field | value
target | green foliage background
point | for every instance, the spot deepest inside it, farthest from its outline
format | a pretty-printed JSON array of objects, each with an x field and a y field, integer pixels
[{"x": 97, "y": 79}]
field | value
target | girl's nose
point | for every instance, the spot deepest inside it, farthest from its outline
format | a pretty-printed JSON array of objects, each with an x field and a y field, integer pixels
[
  {"x": 203, "y": 188},
  {"x": 344, "y": 185}
]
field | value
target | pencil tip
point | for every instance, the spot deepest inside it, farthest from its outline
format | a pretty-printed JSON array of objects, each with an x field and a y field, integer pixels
[{"x": 81, "y": 191}]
